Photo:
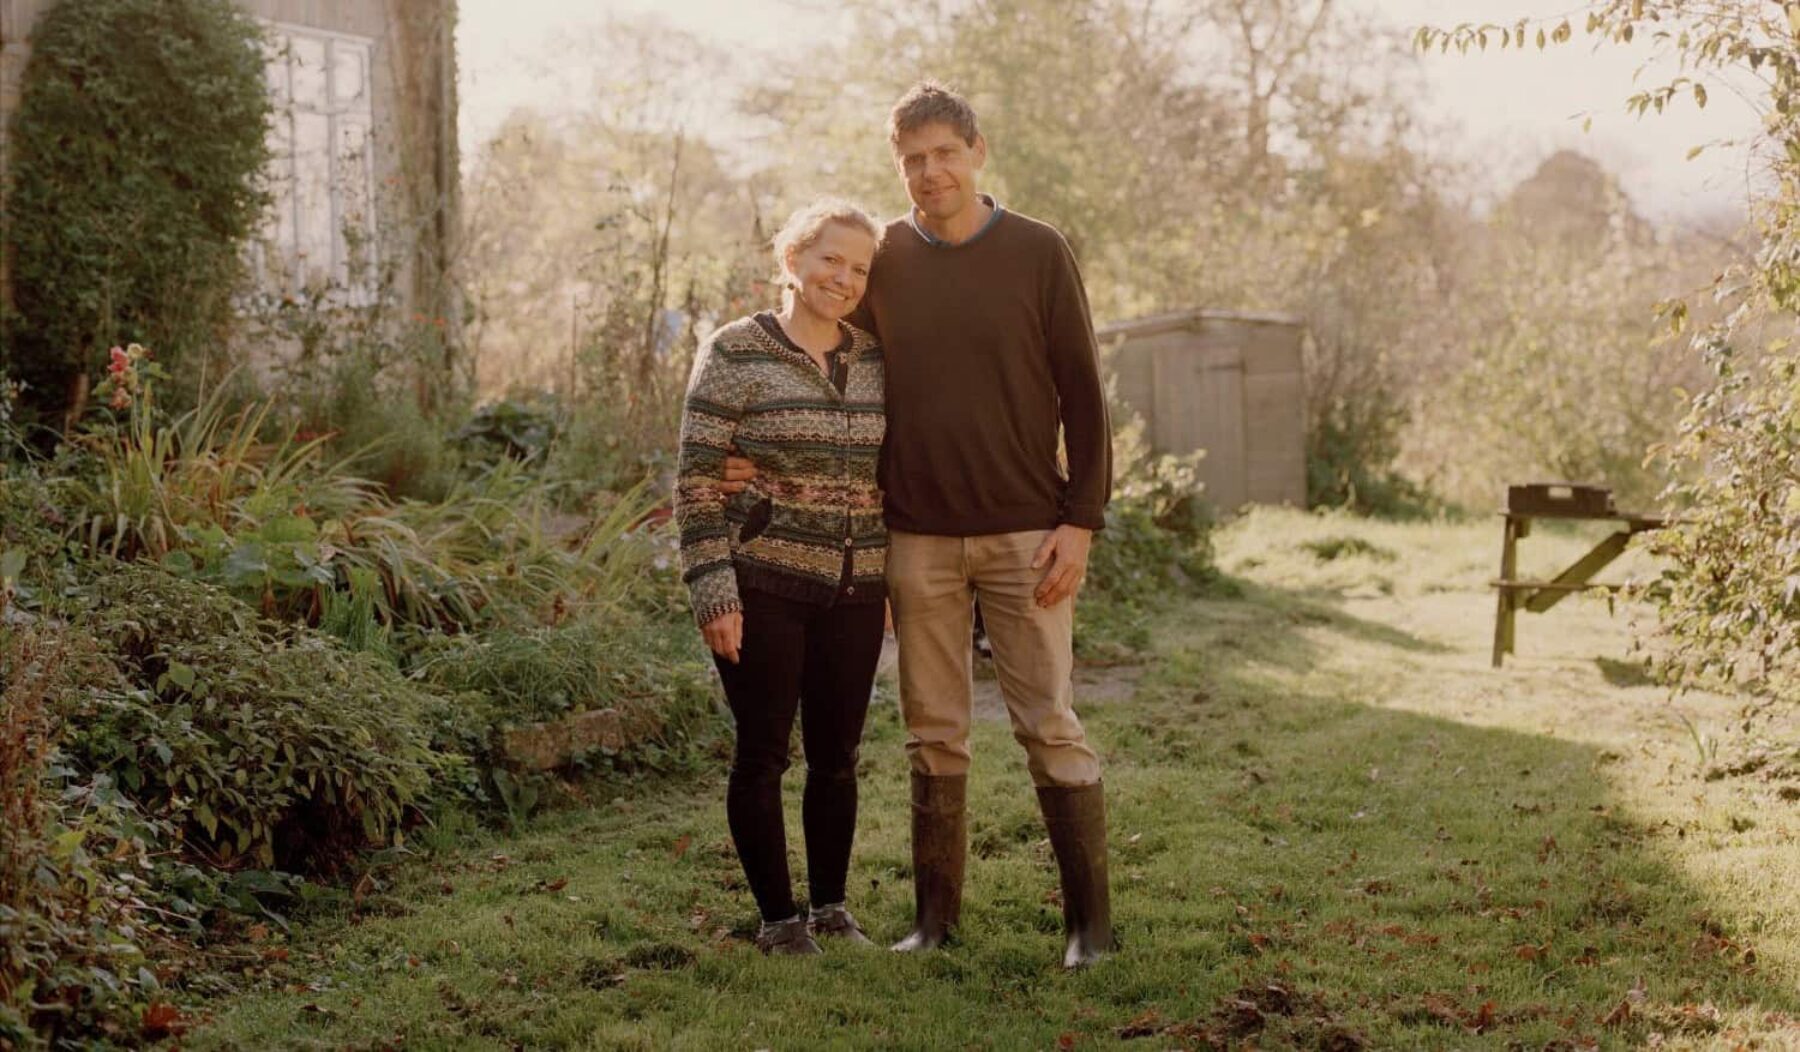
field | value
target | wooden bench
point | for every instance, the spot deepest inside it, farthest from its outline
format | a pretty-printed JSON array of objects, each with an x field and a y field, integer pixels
[{"x": 1555, "y": 500}]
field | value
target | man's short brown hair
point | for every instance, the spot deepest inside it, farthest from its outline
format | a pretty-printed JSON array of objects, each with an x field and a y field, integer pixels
[{"x": 929, "y": 102}]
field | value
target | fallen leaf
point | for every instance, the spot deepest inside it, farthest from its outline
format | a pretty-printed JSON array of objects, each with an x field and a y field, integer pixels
[
  {"x": 162, "y": 1019},
  {"x": 1148, "y": 1024},
  {"x": 681, "y": 846}
]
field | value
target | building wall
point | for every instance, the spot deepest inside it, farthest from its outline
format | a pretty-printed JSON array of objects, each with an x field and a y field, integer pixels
[{"x": 413, "y": 98}]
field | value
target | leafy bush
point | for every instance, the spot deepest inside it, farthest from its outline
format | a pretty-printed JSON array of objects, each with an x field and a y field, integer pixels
[
  {"x": 134, "y": 184},
  {"x": 521, "y": 430},
  {"x": 1350, "y": 465},
  {"x": 356, "y": 398},
  {"x": 1729, "y": 597},
  {"x": 540, "y": 673},
  {"x": 264, "y": 742},
  {"x": 1157, "y": 544},
  {"x": 73, "y": 918}
]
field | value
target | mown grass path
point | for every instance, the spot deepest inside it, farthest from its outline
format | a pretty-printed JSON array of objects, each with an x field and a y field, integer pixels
[{"x": 1333, "y": 827}]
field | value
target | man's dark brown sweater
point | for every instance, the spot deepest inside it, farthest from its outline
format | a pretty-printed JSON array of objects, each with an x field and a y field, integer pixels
[{"x": 989, "y": 348}]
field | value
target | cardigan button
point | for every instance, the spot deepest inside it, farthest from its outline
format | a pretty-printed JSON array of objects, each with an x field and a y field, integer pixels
[
  {"x": 849, "y": 542},
  {"x": 850, "y": 589}
]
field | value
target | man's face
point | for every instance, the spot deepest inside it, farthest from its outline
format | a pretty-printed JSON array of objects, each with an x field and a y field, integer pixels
[{"x": 939, "y": 169}]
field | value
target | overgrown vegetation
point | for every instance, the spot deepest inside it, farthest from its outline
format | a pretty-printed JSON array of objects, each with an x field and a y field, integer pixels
[{"x": 133, "y": 186}]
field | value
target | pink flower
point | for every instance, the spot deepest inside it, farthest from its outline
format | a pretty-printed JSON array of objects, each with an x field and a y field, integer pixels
[
  {"x": 121, "y": 398},
  {"x": 121, "y": 361}
]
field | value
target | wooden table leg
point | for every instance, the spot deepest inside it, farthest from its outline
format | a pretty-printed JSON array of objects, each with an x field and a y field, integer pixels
[{"x": 1505, "y": 608}]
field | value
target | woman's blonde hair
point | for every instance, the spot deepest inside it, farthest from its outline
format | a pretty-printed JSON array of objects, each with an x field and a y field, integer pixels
[{"x": 808, "y": 223}]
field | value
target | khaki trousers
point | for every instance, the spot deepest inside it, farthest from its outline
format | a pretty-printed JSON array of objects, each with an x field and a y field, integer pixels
[{"x": 932, "y": 582}]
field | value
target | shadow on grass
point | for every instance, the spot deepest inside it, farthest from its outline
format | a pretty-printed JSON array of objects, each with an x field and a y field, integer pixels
[
  {"x": 1624, "y": 673},
  {"x": 1316, "y": 607},
  {"x": 1291, "y": 867},
  {"x": 1372, "y": 875}
]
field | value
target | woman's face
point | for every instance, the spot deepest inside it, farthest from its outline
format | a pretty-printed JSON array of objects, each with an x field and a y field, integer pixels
[{"x": 833, "y": 271}]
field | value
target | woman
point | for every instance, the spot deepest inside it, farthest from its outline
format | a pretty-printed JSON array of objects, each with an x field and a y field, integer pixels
[{"x": 787, "y": 579}]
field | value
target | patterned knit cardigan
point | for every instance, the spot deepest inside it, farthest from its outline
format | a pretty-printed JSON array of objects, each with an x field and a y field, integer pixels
[{"x": 815, "y": 452}]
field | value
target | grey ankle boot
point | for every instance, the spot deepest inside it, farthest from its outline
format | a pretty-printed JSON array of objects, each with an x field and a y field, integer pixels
[{"x": 787, "y": 938}]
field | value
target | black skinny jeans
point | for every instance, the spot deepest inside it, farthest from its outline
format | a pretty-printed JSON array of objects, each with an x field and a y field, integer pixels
[{"x": 821, "y": 661}]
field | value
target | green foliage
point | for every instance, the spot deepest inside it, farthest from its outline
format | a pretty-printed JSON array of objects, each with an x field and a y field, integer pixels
[
  {"x": 358, "y": 394},
  {"x": 540, "y": 673},
  {"x": 1156, "y": 546},
  {"x": 134, "y": 161},
  {"x": 265, "y": 743},
  {"x": 1730, "y": 599},
  {"x": 1730, "y": 596},
  {"x": 73, "y": 921},
  {"x": 1350, "y": 453},
  {"x": 520, "y": 430}
]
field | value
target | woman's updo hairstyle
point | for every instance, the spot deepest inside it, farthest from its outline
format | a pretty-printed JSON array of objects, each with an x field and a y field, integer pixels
[{"x": 805, "y": 227}]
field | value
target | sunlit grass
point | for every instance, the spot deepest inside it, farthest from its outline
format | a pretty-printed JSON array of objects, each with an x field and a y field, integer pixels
[{"x": 1333, "y": 826}]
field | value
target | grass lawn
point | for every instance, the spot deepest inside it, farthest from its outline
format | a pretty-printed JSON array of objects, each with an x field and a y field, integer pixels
[{"x": 1333, "y": 826}]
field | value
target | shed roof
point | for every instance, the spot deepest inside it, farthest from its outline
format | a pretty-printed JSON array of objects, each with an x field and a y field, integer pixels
[{"x": 1192, "y": 318}]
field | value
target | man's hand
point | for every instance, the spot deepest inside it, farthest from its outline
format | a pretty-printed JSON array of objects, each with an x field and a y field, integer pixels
[
  {"x": 739, "y": 472},
  {"x": 1065, "y": 552},
  {"x": 725, "y": 635}
]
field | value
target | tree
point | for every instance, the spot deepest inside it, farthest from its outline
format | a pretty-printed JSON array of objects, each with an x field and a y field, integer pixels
[
  {"x": 1730, "y": 596},
  {"x": 604, "y": 242}
]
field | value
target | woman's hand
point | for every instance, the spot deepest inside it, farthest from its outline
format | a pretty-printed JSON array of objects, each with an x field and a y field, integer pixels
[{"x": 725, "y": 635}]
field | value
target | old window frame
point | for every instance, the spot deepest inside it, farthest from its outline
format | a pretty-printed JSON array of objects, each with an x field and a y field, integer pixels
[{"x": 282, "y": 261}]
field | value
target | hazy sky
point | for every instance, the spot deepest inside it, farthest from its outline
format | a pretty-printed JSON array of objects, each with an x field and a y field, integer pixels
[{"x": 1511, "y": 109}]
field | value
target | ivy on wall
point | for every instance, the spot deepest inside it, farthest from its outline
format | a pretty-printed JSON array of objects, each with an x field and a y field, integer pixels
[{"x": 137, "y": 154}]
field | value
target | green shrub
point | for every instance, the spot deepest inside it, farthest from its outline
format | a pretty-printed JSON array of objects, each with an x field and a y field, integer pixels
[
  {"x": 134, "y": 159},
  {"x": 1728, "y": 597},
  {"x": 267, "y": 743},
  {"x": 541, "y": 673},
  {"x": 357, "y": 400},
  {"x": 1157, "y": 545},
  {"x": 1350, "y": 465},
  {"x": 519, "y": 429},
  {"x": 74, "y": 922}
]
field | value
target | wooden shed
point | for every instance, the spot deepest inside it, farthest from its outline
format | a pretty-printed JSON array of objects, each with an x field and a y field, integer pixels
[{"x": 1231, "y": 384}]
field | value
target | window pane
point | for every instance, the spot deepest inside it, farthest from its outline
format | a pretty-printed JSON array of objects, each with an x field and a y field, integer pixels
[
  {"x": 275, "y": 69},
  {"x": 349, "y": 73},
  {"x": 274, "y": 256},
  {"x": 308, "y": 71},
  {"x": 355, "y": 206},
  {"x": 312, "y": 193}
]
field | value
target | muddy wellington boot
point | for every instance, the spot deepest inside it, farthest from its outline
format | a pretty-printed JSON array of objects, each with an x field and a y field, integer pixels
[
  {"x": 1076, "y": 819},
  {"x": 940, "y": 855}
]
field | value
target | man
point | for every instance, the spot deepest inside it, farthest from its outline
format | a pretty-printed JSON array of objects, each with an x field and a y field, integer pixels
[{"x": 990, "y": 352}]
